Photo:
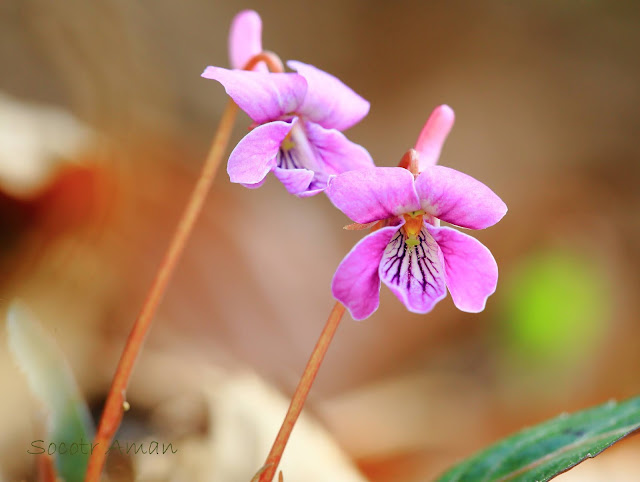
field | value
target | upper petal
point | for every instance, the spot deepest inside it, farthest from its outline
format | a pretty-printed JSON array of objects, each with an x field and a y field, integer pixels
[
  {"x": 356, "y": 283},
  {"x": 245, "y": 40},
  {"x": 415, "y": 273},
  {"x": 374, "y": 193},
  {"x": 262, "y": 95},
  {"x": 458, "y": 199},
  {"x": 329, "y": 102},
  {"x": 471, "y": 271},
  {"x": 337, "y": 153},
  {"x": 433, "y": 135},
  {"x": 255, "y": 155}
]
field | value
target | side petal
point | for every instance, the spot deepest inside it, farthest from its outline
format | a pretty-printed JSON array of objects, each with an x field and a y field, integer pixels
[
  {"x": 433, "y": 135},
  {"x": 245, "y": 40},
  {"x": 373, "y": 194},
  {"x": 458, "y": 199},
  {"x": 296, "y": 181},
  {"x": 254, "y": 185},
  {"x": 337, "y": 153},
  {"x": 255, "y": 155},
  {"x": 356, "y": 283},
  {"x": 329, "y": 102},
  {"x": 262, "y": 95},
  {"x": 311, "y": 191},
  {"x": 471, "y": 271},
  {"x": 414, "y": 272}
]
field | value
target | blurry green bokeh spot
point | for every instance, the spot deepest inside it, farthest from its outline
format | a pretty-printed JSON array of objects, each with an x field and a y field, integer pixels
[{"x": 557, "y": 305}]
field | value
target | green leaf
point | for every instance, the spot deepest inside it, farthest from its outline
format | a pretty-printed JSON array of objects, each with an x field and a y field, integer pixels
[
  {"x": 546, "y": 450},
  {"x": 52, "y": 382}
]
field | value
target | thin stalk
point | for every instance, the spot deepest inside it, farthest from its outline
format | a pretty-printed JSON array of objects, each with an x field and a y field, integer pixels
[
  {"x": 114, "y": 405},
  {"x": 273, "y": 62},
  {"x": 302, "y": 391},
  {"x": 45, "y": 469}
]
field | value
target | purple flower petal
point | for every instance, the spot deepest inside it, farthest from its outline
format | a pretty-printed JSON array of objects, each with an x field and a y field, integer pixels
[
  {"x": 356, "y": 283},
  {"x": 245, "y": 40},
  {"x": 310, "y": 192},
  {"x": 300, "y": 167},
  {"x": 296, "y": 181},
  {"x": 254, "y": 185},
  {"x": 458, "y": 199},
  {"x": 415, "y": 274},
  {"x": 263, "y": 96},
  {"x": 329, "y": 102},
  {"x": 433, "y": 135},
  {"x": 471, "y": 271},
  {"x": 312, "y": 154},
  {"x": 337, "y": 153},
  {"x": 373, "y": 194},
  {"x": 255, "y": 155}
]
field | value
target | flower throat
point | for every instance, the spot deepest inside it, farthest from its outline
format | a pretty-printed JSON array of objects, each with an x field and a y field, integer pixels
[{"x": 412, "y": 228}]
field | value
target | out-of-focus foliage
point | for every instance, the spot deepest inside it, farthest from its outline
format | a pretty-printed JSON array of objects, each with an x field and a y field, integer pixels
[
  {"x": 52, "y": 382},
  {"x": 556, "y": 307}
]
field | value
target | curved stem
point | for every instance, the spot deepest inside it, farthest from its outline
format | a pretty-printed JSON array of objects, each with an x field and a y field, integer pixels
[
  {"x": 45, "y": 469},
  {"x": 114, "y": 405},
  {"x": 300, "y": 395},
  {"x": 273, "y": 62},
  {"x": 113, "y": 409}
]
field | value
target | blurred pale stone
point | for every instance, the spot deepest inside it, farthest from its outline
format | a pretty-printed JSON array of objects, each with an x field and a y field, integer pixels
[
  {"x": 35, "y": 140},
  {"x": 245, "y": 415}
]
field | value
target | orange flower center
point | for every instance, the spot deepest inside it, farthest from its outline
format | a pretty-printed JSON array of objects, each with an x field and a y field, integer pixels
[{"x": 412, "y": 227}]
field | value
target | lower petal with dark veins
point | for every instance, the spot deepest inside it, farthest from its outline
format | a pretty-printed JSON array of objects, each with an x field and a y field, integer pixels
[{"x": 414, "y": 270}]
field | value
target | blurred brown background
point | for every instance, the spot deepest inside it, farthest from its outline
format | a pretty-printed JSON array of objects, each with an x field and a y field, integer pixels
[{"x": 547, "y": 103}]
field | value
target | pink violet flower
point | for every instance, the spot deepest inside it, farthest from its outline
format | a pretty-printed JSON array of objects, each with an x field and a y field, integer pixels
[
  {"x": 415, "y": 257},
  {"x": 298, "y": 118}
]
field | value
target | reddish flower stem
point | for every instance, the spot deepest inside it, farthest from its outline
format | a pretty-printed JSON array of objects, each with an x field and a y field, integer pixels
[
  {"x": 299, "y": 397},
  {"x": 272, "y": 60},
  {"x": 114, "y": 405},
  {"x": 113, "y": 409},
  {"x": 45, "y": 469}
]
